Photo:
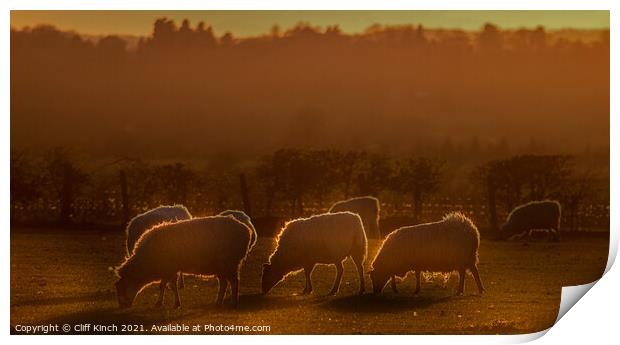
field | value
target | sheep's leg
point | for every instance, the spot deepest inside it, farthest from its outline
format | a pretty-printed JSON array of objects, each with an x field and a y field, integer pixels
[
  {"x": 474, "y": 272},
  {"x": 181, "y": 281},
  {"x": 393, "y": 281},
  {"x": 223, "y": 283},
  {"x": 162, "y": 291},
  {"x": 234, "y": 290},
  {"x": 360, "y": 272},
  {"x": 461, "y": 282},
  {"x": 308, "y": 273},
  {"x": 418, "y": 281},
  {"x": 339, "y": 271},
  {"x": 175, "y": 289}
]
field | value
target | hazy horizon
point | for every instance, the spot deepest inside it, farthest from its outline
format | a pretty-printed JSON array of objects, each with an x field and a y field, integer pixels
[{"x": 253, "y": 23}]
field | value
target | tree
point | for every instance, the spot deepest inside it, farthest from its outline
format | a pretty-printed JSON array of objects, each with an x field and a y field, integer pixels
[
  {"x": 285, "y": 174},
  {"x": 66, "y": 179},
  {"x": 377, "y": 173},
  {"x": 347, "y": 165},
  {"x": 227, "y": 40},
  {"x": 174, "y": 181},
  {"x": 205, "y": 36},
  {"x": 520, "y": 179},
  {"x": 419, "y": 177},
  {"x": 25, "y": 182},
  {"x": 324, "y": 173},
  {"x": 577, "y": 189},
  {"x": 490, "y": 38}
]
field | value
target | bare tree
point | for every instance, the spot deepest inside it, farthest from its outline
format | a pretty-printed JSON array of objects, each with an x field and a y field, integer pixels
[
  {"x": 419, "y": 177},
  {"x": 577, "y": 190},
  {"x": 25, "y": 182},
  {"x": 520, "y": 179},
  {"x": 66, "y": 179}
]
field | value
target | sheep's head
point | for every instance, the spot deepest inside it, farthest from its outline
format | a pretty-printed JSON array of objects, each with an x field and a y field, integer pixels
[
  {"x": 378, "y": 281},
  {"x": 126, "y": 292},
  {"x": 270, "y": 278}
]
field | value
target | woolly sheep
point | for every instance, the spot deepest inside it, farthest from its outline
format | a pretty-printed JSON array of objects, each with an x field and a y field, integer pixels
[
  {"x": 321, "y": 239},
  {"x": 535, "y": 215},
  {"x": 141, "y": 223},
  {"x": 144, "y": 221},
  {"x": 201, "y": 246},
  {"x": 367, "y": 207},
  {"x": 245, "y": 219},
  {"x": 239, "y": 216},
  {"x": 444, "y": 246}
]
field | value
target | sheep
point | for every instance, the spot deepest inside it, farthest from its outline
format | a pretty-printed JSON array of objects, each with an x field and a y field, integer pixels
[
  {"x": 444, "y": 246},
  {"x": 201, "y": 246},
  {"x": 245, "y": 219},
  {"x": 367, "y": 207},
  {"x": 144, "y": 221},
  {"x": 327, "y": 238},
  {"x": 141, "y": 223},
  {"x": 532, "y": 216},
  {"x": 239, "y": 216}
]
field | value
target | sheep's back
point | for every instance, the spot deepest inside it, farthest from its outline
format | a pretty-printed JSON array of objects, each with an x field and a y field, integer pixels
[
  {"x": 440, "y": 247},
  {"x": 201, "y": 245},
  {"x": 539, "y": 214},
  {"x": 245, "y": 219},
  {"x": 145, "y": 221},
  {"x": 365, "y": 206},
  {"x": 324, "y": 238}
]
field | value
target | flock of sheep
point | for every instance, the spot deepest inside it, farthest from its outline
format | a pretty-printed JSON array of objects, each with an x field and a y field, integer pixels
[{"x": 167, "y": 242}]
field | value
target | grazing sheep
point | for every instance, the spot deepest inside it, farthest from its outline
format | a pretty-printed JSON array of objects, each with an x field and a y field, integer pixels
[
  {"x": 201, "y": 246},
  {"x": 245, "y": 219},
  {"x": 239, "y": 216},
  {"x": 535, "y": 215},
  {"x": 367, "y": 207},
  {"x": 321, "y": 239},
  {"x": 444, "y": 246},
  {"x": 141, "y": 223},
  {"x": 144, "y": 221}
]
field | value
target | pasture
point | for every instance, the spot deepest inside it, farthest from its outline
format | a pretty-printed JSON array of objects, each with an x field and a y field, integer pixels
[{"x": 62, "y": 276}]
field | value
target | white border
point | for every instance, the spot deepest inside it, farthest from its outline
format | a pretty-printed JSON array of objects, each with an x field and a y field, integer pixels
[{"x": 595, "y": 318}]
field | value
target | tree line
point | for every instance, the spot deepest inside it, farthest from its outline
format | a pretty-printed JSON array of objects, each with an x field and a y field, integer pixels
[
  {"x": 57, "y": 186},
  {"x": 398, "y": 88}
]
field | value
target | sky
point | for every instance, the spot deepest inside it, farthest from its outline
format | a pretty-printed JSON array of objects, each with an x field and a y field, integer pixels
[{"x": 250, "y": 23}]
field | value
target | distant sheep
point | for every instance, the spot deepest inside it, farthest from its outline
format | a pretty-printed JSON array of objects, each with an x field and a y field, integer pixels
[
  {"x": 144, "y": 221},
  {"x": 245, "y": 219},
  {"x": 444, "y": 246},
  {"x": 535, "y": 215},
  {"x": 201, "y": 246},
  {"x": 321, "y": 239},
  {"x": 367, "y": 207}
]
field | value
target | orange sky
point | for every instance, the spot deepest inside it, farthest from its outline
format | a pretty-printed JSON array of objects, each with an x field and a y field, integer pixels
[{"x": 247, "y": 23}]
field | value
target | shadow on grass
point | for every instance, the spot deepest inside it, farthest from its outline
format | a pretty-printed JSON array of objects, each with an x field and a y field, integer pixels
[
  {"x": 146, "y": 316},
  {"x": 387, "y": 303},
  {"x": 89, "y": 297},
  {"x": 260, "y": 302}
]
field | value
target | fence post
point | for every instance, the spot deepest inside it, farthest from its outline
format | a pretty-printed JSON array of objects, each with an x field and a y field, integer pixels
[
  {"x": 247, "y": 208},
  {"x": 124, "y": 197},
  {"x": 492, "y": 207}
]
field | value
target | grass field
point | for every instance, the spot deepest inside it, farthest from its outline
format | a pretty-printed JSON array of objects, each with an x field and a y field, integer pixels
[{"x": 61, "y": 276}]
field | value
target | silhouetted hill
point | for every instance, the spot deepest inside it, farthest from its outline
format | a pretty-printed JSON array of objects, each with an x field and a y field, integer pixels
[{"x": 186, "y": 92}]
